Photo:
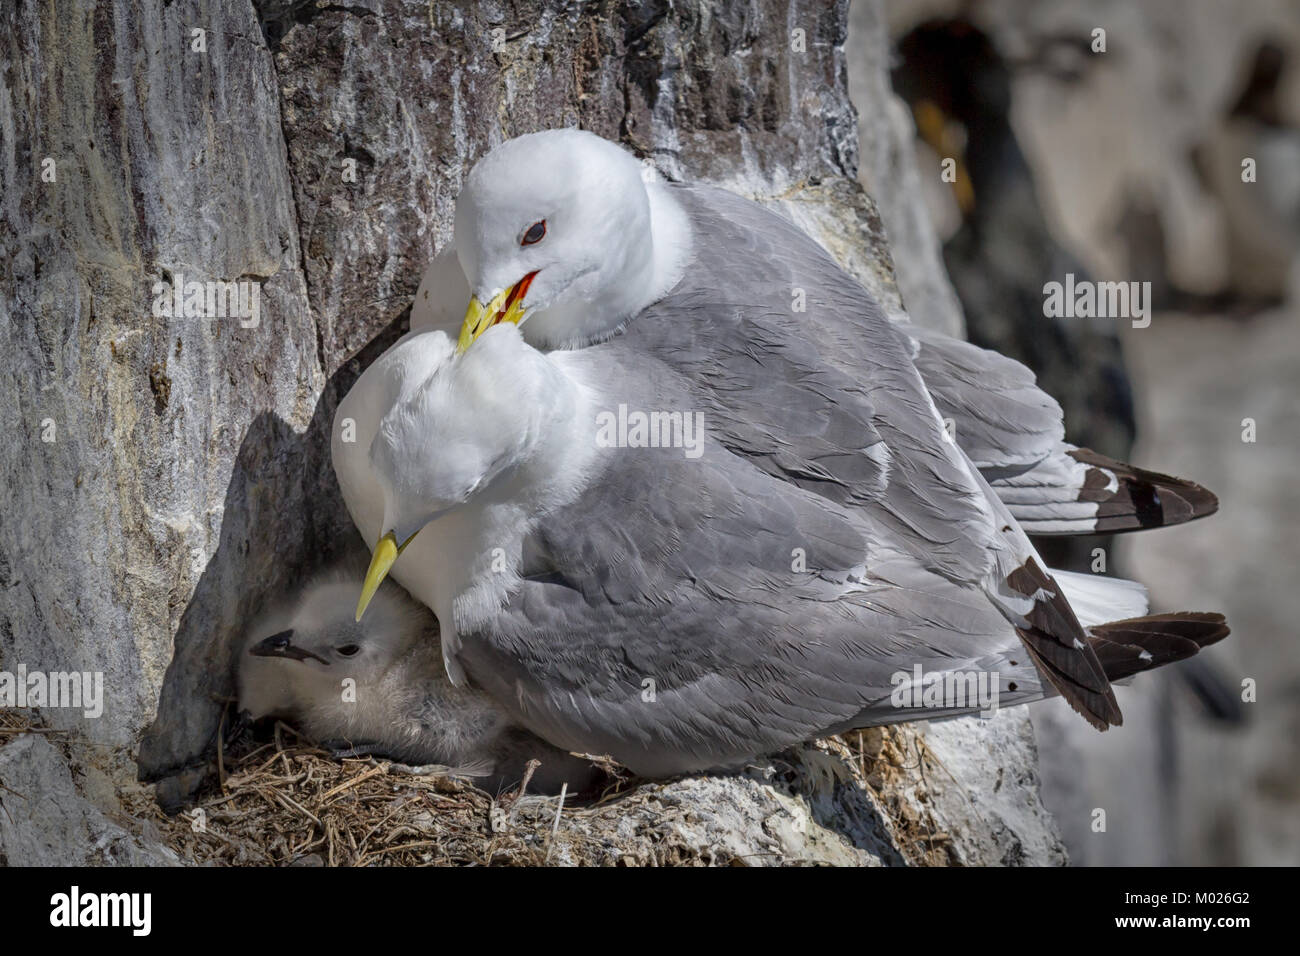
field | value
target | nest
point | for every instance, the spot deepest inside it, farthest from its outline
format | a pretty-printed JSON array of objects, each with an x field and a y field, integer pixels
[
  {"x": 888, "y": 764},
  {"x": 290, "y": 803}
]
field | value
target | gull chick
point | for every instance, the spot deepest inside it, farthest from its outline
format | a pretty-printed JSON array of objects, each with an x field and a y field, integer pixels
[{"x": 379, "y": 686}]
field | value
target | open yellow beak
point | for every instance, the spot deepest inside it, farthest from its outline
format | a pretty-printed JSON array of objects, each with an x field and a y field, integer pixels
[
  {"x": 507, "y": 306},
  {"x": 386, "y": 552}
]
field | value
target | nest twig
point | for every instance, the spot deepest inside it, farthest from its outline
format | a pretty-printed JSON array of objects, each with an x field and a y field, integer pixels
[{"x": 287, "y": 803}]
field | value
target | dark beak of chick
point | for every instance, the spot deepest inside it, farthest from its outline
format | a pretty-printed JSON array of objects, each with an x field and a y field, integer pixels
[{"x": 281, "y": 645}]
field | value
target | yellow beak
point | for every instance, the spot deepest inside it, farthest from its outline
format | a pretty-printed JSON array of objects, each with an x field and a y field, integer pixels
[
  {"x": 386, "y": 552},
  {"x": 506, "y": 306}
]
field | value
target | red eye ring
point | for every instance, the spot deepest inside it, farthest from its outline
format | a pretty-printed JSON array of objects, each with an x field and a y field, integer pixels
[{"x": 534, "y": 233}]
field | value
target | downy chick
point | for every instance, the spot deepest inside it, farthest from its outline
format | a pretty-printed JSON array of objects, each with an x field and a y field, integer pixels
[{"x": 380, "y": 686}]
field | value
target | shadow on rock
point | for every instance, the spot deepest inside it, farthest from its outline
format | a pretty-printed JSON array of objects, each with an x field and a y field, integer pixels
[{"x": 283, "y": 518}]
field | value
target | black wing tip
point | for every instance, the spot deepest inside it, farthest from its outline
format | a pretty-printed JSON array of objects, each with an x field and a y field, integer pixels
[
  {"x": 1202, "y": 627},
  {"x": 1051, "y": 634},
  {"x": 1144, "y": 499},
  {"x": 1138, "y": 644}
]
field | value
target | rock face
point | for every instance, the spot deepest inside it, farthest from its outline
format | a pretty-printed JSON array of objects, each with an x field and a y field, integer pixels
[
  {"x": 164, "y": 474},
  {"x": 889, "y": 172},
  {"x": 1137, "y": 151},
  {"x": 45, "y": 821}
]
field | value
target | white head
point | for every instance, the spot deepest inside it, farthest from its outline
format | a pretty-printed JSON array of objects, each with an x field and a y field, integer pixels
[
  {"x": 498, "y": 423},
  {"x": 558, "y": 227},
  {"x": 298, "y": 656},
  {"x": 475, "y": 417}
]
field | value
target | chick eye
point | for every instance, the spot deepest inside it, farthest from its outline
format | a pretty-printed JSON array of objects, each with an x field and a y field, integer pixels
[
  {"x": 348, "y": 650},
  {"x": 534, "y": 234}
]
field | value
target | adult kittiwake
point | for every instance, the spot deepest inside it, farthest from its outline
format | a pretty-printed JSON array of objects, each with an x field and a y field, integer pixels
[
  {"x": 688, "y": 611},
  {"x": 820, "y": 545},
  {"x": 568, "y": 230}
]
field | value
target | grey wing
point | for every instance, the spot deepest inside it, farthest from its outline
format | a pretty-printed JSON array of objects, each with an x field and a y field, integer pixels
[
  {"x": 799, "y": 371},
  {"x": 694, "y": 613},
  {"x": 1013, "y": 432},
  {"x": 1000, "y": 417},
  {"x": 825, "y": 395}
]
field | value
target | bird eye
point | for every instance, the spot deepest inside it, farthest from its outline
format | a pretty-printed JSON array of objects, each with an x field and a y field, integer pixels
[
  {"x": 348, "y": 650},
  {"x": 534, "y": 234}
]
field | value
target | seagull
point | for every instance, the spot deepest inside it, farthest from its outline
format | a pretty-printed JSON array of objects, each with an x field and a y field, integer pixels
[
  {"x": 824, "y": 545},
  {"x": 294, "y": 664},
  {"x": 568, "y": 231}
]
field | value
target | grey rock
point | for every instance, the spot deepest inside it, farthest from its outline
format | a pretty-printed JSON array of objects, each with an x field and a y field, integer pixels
[
  {"x": 889, "y": 172},
  {"x": 988, "y": 774},
  {"x": 45, "y": 821}
]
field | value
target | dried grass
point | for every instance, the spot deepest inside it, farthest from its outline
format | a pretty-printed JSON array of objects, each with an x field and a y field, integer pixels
[
  {"x": 281, "y": 804},
  {"x": 14, "y": 723},
  {"x": 287, "y": 802}
]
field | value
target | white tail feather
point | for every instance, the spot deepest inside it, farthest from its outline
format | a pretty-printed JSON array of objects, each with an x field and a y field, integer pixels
[{"x": 1097, "y": 599}]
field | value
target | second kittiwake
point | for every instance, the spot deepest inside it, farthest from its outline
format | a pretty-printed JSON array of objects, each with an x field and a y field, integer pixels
[{"x": 685, "y": 608}]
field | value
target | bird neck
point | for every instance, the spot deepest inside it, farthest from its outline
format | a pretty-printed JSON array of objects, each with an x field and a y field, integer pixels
[
  {"x": 672, "y": 239},
  {"x": 487, "y": 531}
]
